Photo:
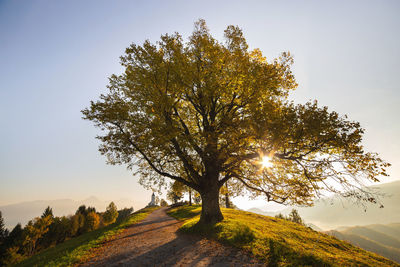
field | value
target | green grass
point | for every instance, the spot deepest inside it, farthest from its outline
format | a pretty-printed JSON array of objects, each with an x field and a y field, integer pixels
[
  {"x": 77, "y": 249},
  {"x": 278, "y": 242}
]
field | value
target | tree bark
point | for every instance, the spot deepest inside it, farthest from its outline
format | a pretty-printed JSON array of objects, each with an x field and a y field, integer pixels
[
  {"x": 227, "y": 201},
  {"x": 210, "y": 210},
  {"x": 190, "y": 197}
]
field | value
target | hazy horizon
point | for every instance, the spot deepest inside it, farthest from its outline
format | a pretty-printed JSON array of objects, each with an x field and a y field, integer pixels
[
  {"x": 56, "y": 57},
  {"x": 351, "y": 215}
]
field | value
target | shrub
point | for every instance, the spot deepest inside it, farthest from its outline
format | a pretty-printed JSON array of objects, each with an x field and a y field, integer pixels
[
  {"x": 12, "y": 256},
  {"x": 124, "y": 213},
  {"x": 111, "y": 214},
  {"x": 293, "y": 216},
  {"x": 33, "y": 231},
  {"x": 92, "y": 221},
  {"x": 163, "y": 203},
  {"x": 77, "y": 224}
]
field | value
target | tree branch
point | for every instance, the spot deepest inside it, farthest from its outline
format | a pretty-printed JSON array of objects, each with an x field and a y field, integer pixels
[{"x": 174, "y": 177}]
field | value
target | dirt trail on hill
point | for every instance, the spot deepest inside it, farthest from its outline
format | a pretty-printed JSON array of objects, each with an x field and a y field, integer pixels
[{"x": 155, "y": 242}]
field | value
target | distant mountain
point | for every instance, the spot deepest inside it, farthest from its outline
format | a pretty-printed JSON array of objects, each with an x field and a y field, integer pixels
[
  {"x": 381, "y": 239},
  {"x": 25, "y": 211},
  {"x": 331, "y": 213}
]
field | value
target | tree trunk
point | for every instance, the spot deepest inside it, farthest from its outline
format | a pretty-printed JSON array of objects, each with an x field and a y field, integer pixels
[
  {"x": 210, "y": 210},
  {"x": 190, "y": 197},
  {"x": 227, "y": 201}
]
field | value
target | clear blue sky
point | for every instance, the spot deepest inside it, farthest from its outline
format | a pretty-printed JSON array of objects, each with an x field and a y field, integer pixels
[{"x": 55, "y": 56}]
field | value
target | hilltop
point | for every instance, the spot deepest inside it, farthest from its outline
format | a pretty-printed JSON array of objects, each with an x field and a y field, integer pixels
[
  {"x": 244, "y": 239},
  {"x": 278, "y": 241}
]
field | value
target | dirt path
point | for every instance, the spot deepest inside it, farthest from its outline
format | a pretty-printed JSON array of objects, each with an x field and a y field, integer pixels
[{"x": 155, "y": 242}]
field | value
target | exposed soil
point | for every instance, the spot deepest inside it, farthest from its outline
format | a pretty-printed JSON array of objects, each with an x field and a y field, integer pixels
[{"x": 155, "y": 242}]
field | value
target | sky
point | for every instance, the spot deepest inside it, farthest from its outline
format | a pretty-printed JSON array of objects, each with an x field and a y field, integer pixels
[{"x": 56, "y": 56}]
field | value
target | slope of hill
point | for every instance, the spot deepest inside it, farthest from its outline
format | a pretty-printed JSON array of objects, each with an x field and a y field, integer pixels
[
  {"x": 381, "y": 239},
  {"x": 77, "y": 249},
  {"x": 259, "y": 211},
  {"x": 331, "y": 213},
  {"x": 25, "y": 211},
  {"x": 279, "y": 242}
]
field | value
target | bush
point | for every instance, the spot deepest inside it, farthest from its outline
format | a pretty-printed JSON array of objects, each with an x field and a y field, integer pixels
[
  {"x": 33, "y": 231},
  {"x": 111, "y": 214},
  {"x": 124, "y": 213},
  {"x": 163, "y": 203},
  {"x": 92, "y": 221},
  {"x": 77, "y": 222},
  {"x": 59, "y": 230},
  {"x": 12, "y": 256},
  {"x": 293, "y": 216}
]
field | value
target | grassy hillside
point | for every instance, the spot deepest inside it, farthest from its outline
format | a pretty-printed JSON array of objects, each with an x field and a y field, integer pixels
[
  {"x": 277, "y": 241},
  {"x": 378, "y": 238},
  {"x": 77, "y": 249}
]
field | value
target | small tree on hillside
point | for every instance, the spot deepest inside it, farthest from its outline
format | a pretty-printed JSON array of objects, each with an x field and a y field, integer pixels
[
  {"x": 15, "y": 238},
  {"x": 48, "y": 212},
  {"x": 85, "y": 210},
  {"x": 173, "y": 196},
  {"x": 180, "y": 189},
  {"x": 59, "y": 230},
  {"x": 204, "y": 112},
  {"x": 33, "y": 231},
  {"x": 77, "y": 222},
  {"x": 175, "y": 192},
  {"x": 225, "y": 194},
  {"x": 90, "y": 209},
  {"x": 12, "y": 256},
  {"x": 3, "y": 230},
  {"x": 111, "y": 214},
  {"x": 81, "y": 210},
  {"x": 11, "y": 251},
  {"x": 163, "y": 203},
  {"x": 294, "y": 216},
  {"x": 92, "y": 221},
  {"x": 124, "y": 213},
  {"x": 196, "y": 198}
]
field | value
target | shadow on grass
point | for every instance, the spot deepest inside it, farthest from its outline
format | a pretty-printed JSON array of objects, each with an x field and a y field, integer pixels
[
  {"x": 186, "y": 213},
  {"x": 233, "y": 234},
  {"x": 276, "y": 252},
  {"x": 281, "y": 253}
]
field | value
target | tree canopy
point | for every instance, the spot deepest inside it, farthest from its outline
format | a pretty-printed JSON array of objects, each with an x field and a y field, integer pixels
[{"x": 203, "y": 112}]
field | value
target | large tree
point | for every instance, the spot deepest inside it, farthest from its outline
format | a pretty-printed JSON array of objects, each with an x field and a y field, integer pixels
[{"x": 203, "y": 112}]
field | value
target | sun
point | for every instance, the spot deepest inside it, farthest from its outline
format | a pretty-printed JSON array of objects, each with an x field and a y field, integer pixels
[{"x": 266, "y": 162}]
